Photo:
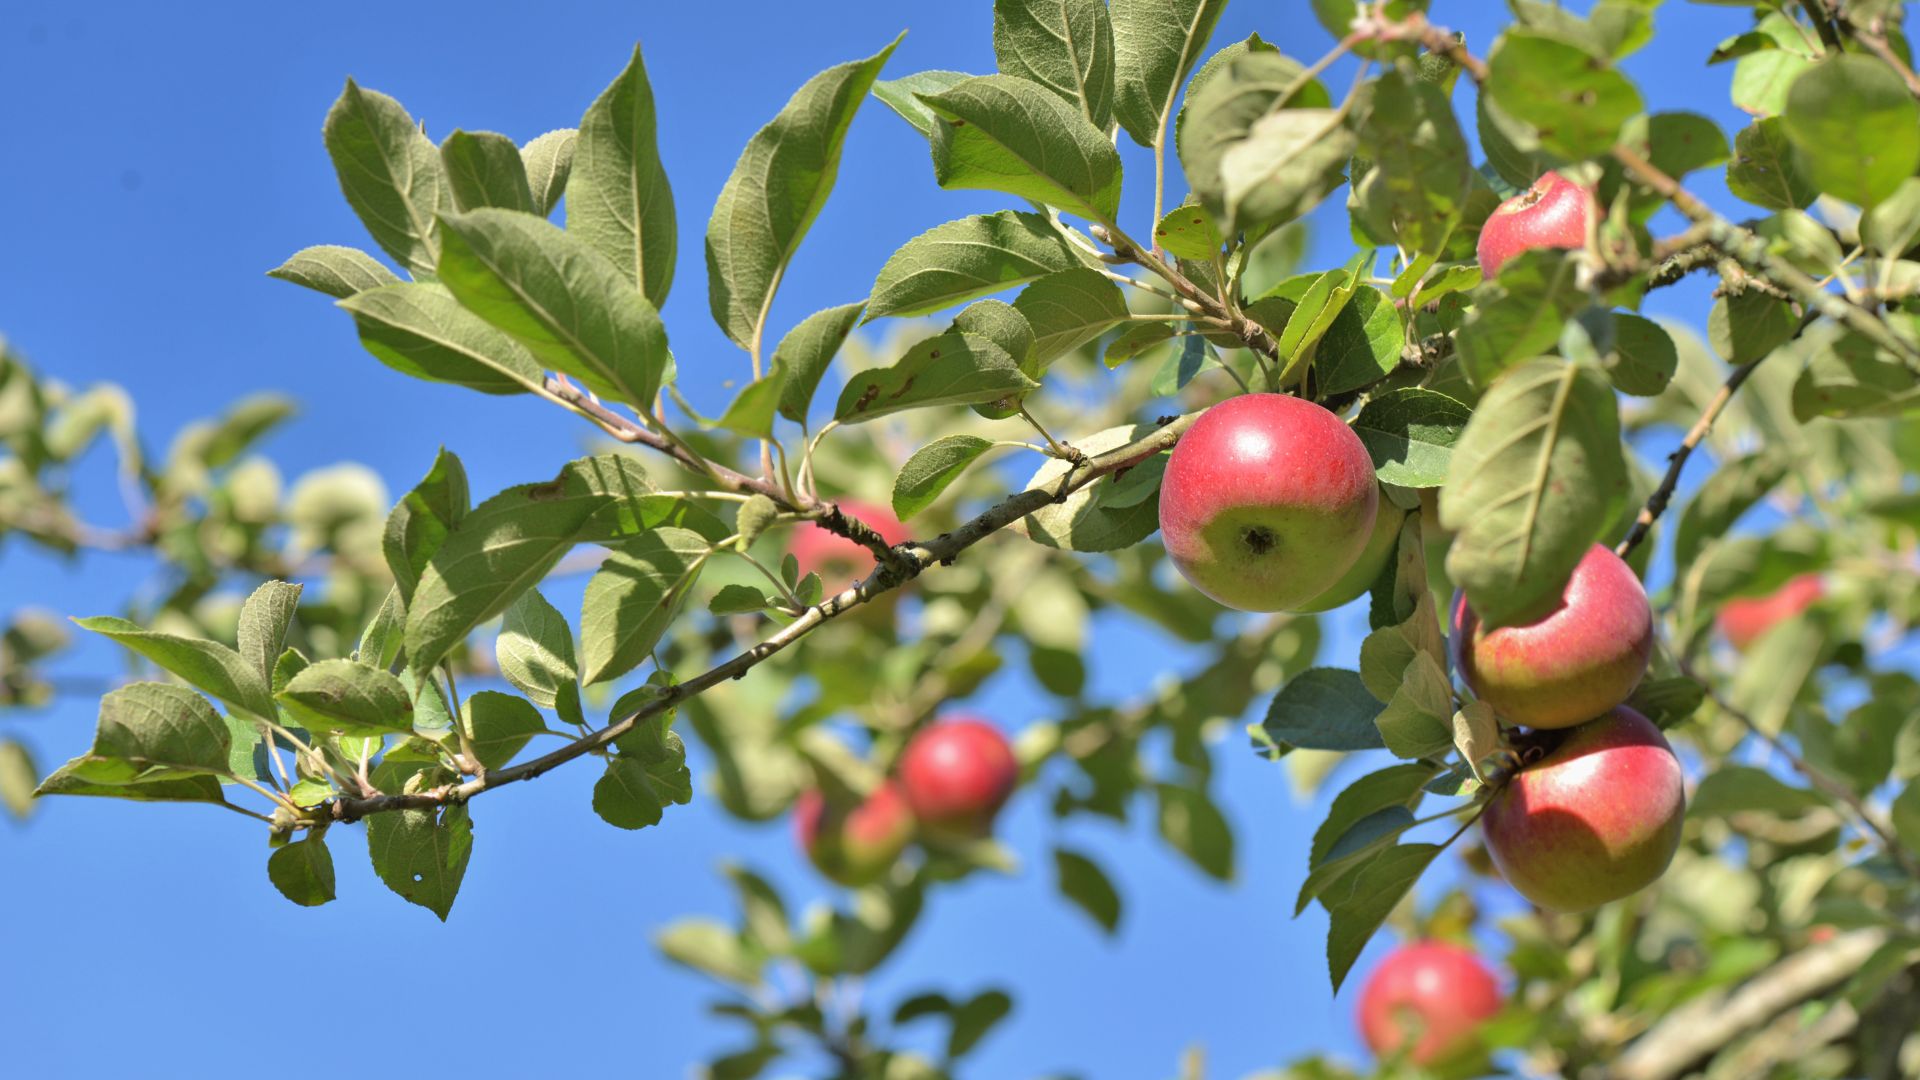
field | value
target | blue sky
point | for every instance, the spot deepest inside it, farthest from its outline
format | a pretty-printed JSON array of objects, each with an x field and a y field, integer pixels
[{"x": 162, "y": 158}]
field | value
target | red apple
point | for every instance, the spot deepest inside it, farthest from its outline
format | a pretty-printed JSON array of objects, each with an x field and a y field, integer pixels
[
  {"x": 1580, "y": 660},
  {"x": 1553, "y": 213},
  {"x": 1431, "y": 989},
  {"x": 1267, "y": 502},
  {"x": 1381, "y": 547},
  {"x": 840, "y": 561},
  {"x": 1597, "y": 819},
  {"x": 854, "y": 843},
  {"x": 956, "y": 775},
  {"x": 1742, "y": 621}
]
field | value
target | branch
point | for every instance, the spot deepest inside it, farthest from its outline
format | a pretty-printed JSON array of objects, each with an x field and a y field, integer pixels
[
  {"x": 915, "y": 557},
  {"x": 1691, "y": 1034},
  {"x": 827, "y": 514},
  {"x": 1827, "y": 785},
  {"x": 1752, "y": 252},
  {"x": 1677, "y": 461}
]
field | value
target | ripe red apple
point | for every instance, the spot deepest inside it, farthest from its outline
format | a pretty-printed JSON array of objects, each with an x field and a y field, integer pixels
[
  {"x": 1431, "y": 989},
  {"x": 1580, "y": 660},
  {"x": 854, "y": 843},
  {"x": 1267, "y": 502},
  {"x": 1597, "y": 819},
  {"x": 1553, "y": 213},
  {"x": 839, "y": 561},
  {"x": 956, "y": 775},
  {"x": 1742, "y": 621},
  {"x": 1381, "y": 547}
]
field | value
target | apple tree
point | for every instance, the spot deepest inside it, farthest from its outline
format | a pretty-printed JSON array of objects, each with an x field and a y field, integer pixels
[{"x": 1636, "y": 600}]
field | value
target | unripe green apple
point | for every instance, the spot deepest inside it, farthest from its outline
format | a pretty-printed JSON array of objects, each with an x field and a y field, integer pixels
[
  {"x": 854, "y": 843},
  {"x": 1437, "y": 991},
  {"x": 1742, "y": 621},
  {"x": 1553, "y": 213},
  {"x": 1575, "y": 663},
  {"x": 1267, "y": 502},
  {"x": 1597, "y": 819},
  {"x": 956, "y": 774},
  {"x": 1380, "y": 550}
]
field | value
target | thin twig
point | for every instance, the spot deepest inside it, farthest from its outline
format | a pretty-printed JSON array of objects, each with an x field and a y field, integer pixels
[
  {"x": 918, "y": 556},
  {"x": 1827, "y": 785},
  {"x": 1677, "y": 461}
]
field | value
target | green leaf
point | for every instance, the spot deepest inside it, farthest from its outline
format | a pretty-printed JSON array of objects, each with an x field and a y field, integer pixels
[
  {"x": 1066, "y": 310},
  {"x": 1740, "y": 789},
  {"x": 803, "y": 355},
  {"x": 777, "y": 188},
  {"x": 1682, "y": 142},
  {"x": 1416, "y": 722},
  {"x": 649, "y": 774},
  {"x": 1364, "y": 840},
  {"x": 483, "y": 168},
  {"x": 1728, "y": 492},
  {"x": 334, "y": 270},
  {"x": 208, "y": 665},
  {"x": 110, "y": 778},
  {"x": 737, "y": 599},
  {"x": 1410, "y": 434},
  {"x": 340, "y": 695},
  {"x": 1667, "y": 702},
  {"x": 1194, "y": 826},
  {"x": 1361, "y": 346},
  {"x": 535, "y": 654},
  {"x": 1394, "y": 786},
  {"x": 1225, "y": 101},
  {"x": 1519, "y": 315},
  {"x": 902, "y": 95},
  {"x": 160, "y": 727},
  {"x": 1289, "y": 161},
  {"x": 1324, "y": 709},
  {"x": 498, "y": 551},
  {"x": 1644, "y": 358},
  {"x": 1854, "y": 126},
  {"x": 380, "y": 643},
  {"x": 1157, "y": 43},
  {"x": 710, "y": 948},
  {"x": 390, "y": 173},
  {"x": 967, "y": 259},
  {"x": 951, "y": 369},
  {"x": 1423, "y": 172},
  {"x": 421, "y": 854},
  {"x": 1892, "y": 224},
  {"x": 548, "y": 163},
  {"x": 1356, "y": 914},
  {"x": 1087, "y": 521},
  {"x": 932, "y": 469},
  {"x": 1064, "y": 45},
  {"x": 1188, "y": 232},
  {"x": 421, "y": 520},
  {"x": 18, "y": 777},
  {"x": 1851, "y": 378},
  {"x": 1906, "y": 817},
  {"x": 303, "y": 871},
  {"x": 1082, "y": 882},
  {"x": 499, "y": 725},
  {"x": 750, "y": 415},
  {"x": 633, "y": 597},
  {"x": 973, "y": 1018},
  {"x": 422, "y": 331},
  {"x": 1765, "y": 170},
  {"x": 1536, "y": 476},
  {"x": 618, "y": 198},
  {"x": 1006, "y": 134},
  {"x": 560, "y": 298},
  {"x": 1747, "y": 326},
  {"x": 264, "y": 619},
  {"x": 1576, "y": 103}
]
